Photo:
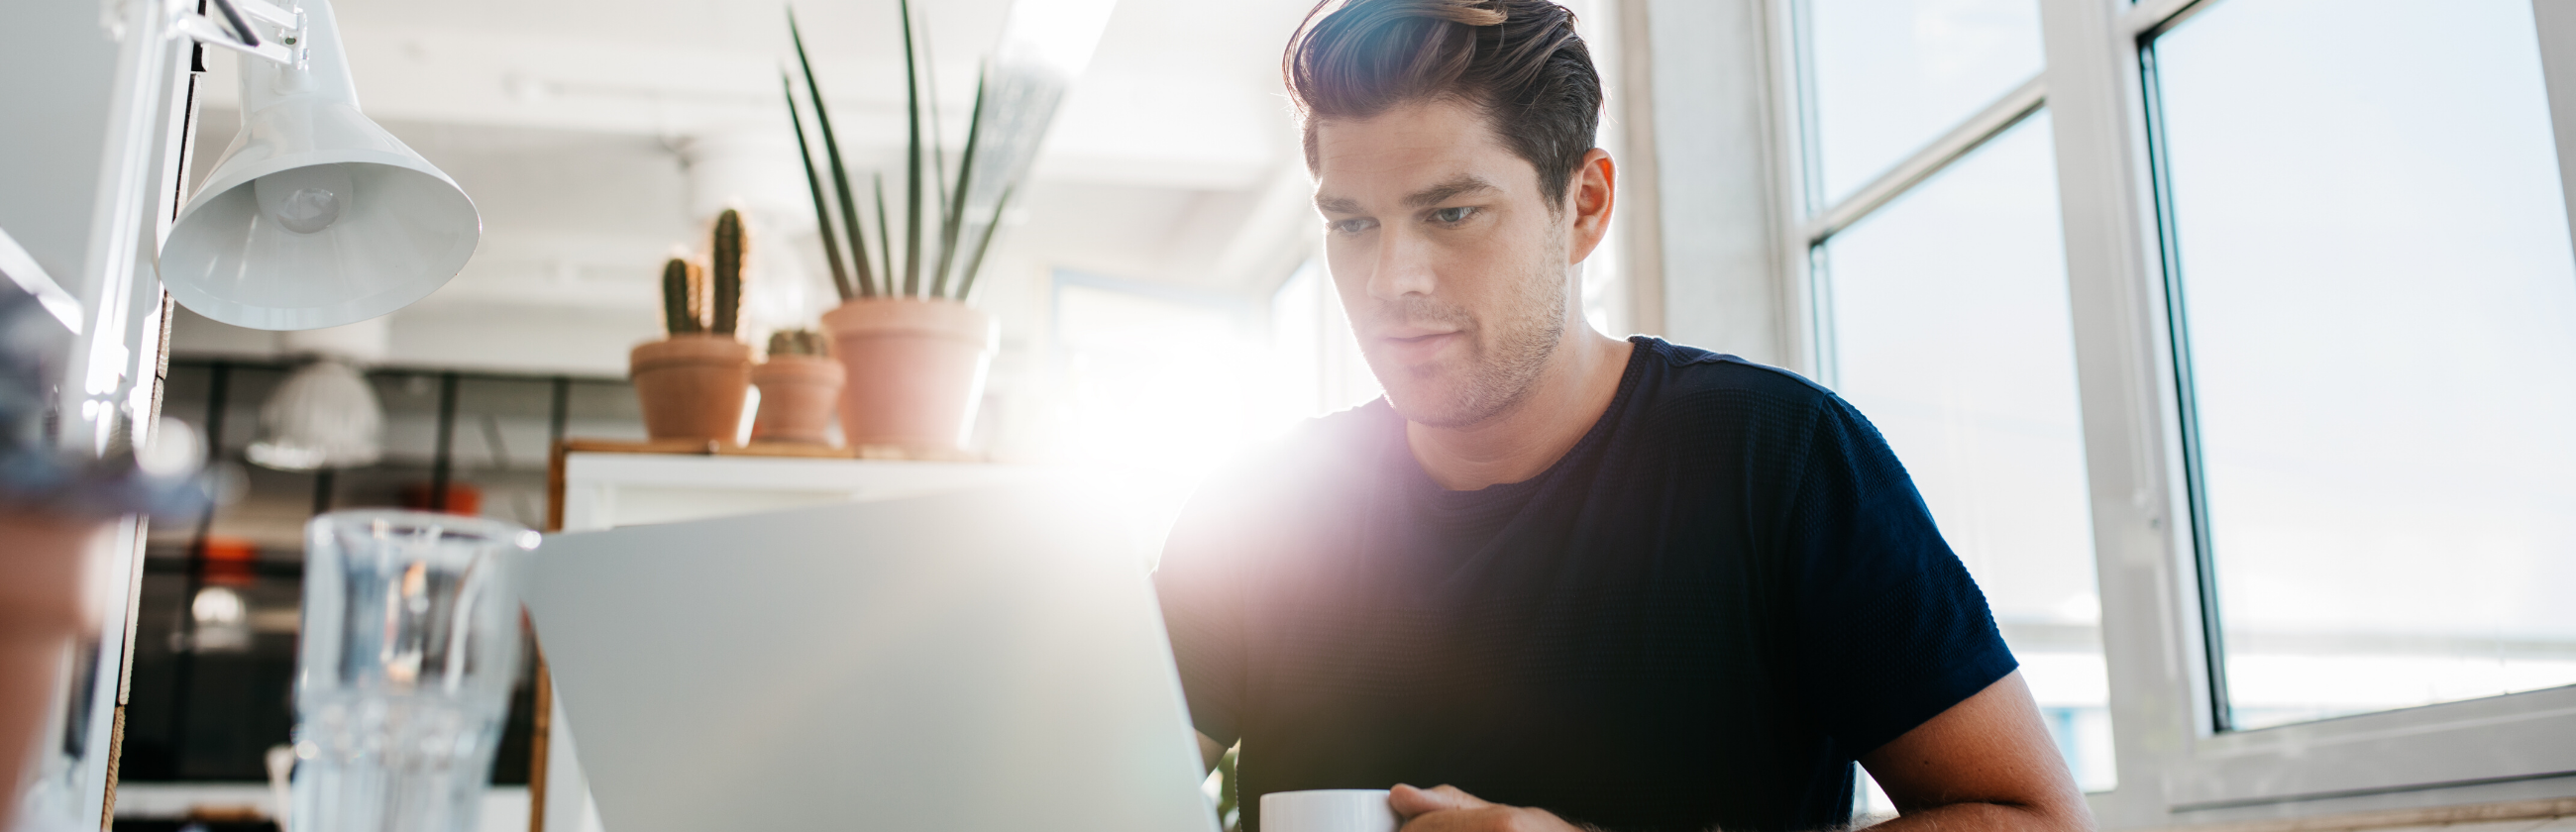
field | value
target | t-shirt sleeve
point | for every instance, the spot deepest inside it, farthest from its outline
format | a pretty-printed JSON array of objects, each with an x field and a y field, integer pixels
[
  {"x": 1891, "y": 629},
  {"x": 1200, "y": 589}
]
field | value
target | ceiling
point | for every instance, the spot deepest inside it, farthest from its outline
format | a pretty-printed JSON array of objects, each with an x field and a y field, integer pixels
[{"x": 596, "y": 136}]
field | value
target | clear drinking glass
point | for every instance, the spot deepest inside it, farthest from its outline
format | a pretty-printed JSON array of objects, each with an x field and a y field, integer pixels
[{"x": 410, "y": 640}]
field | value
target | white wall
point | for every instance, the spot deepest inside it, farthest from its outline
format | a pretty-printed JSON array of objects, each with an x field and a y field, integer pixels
[
  {"x": 1713, "y": 177},
  {"x": 59, "y": 63}
]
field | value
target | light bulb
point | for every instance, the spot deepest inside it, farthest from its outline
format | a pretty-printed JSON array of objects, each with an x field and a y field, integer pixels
[
  {"x": 305, "y": 199},
  {"x": 175, "y": 450},
  {"x": 309, "y": 210},
  {"x": 217, "y": 605},
  {"x": 223, "y": 621}
]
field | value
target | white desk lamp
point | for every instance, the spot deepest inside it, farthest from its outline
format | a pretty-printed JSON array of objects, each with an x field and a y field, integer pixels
[{"x": 315, "y": 216}]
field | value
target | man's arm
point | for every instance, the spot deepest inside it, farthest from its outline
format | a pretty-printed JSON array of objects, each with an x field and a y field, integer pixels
[{"x": 1986, "y": 763}]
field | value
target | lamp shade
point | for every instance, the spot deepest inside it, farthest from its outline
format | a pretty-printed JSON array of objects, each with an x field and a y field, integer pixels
[
  {"x": 315, "y": 216},
  {"x": 323, "y": 416}
]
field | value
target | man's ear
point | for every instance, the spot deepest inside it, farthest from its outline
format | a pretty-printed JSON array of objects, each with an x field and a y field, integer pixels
[{"x": 1589, "y": 197}]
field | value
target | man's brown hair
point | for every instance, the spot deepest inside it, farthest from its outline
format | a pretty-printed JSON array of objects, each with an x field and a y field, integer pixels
[{"x": 1519, "y": 61}]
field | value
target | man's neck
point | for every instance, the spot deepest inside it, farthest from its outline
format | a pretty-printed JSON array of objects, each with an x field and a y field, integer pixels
[{"x": 1521, "y": 442}]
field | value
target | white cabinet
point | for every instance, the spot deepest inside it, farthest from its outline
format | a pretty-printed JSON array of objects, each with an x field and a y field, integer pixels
[{"x": 607, "y": 490}]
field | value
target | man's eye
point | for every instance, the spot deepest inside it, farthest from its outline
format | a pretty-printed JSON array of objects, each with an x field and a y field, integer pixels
[
  {"x": 1452, "y": 216},
  {"x": 1351, "y": 226}
]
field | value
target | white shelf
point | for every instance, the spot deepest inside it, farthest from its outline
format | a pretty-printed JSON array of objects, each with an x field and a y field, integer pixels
[{"x": 607, "y": 490}]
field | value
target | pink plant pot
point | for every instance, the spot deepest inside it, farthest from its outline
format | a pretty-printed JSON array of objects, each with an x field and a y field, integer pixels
[
  {"x": 692, "y": 386},
  {"x": 49, "y": 591},
  {"x": 915, "y": 367},
  {"x": 799, "y": 395}
]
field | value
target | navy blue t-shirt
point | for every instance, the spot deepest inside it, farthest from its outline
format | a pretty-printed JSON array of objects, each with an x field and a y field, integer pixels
[{"x": 1698, "y": 618}]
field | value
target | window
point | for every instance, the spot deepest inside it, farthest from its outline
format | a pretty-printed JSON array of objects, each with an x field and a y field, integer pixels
[
  {"x": 1939, "y": 285},
  {"x": 1951, "y": 334},
  {"x": 1889, "y": 76},
  {"x": 1320, "y": 367},
  {"x": 212, "y": 679},
  {"x": 1157, "y": 380},
  {"x": 2256, "y": 318},
  {"x": 2378, "y": 304}
]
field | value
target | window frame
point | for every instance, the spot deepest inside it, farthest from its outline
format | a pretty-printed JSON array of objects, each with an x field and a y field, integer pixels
[{"x": 2178, "y": 764}]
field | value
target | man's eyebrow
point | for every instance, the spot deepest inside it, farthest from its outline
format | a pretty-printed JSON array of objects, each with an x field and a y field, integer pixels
[{"x": 1465, "y": 183}]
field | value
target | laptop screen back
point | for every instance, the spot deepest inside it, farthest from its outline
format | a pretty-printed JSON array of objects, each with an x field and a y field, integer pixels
[{"x": 980, "y": 660}]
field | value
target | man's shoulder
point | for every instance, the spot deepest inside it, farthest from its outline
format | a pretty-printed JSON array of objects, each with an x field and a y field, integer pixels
[{"x": 1689, "y": 381}]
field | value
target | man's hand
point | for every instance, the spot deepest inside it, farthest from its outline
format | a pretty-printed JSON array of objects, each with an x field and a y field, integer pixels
[
  {"x": 1448, "y": 809},
  {"x": 1986, "y": 763}
]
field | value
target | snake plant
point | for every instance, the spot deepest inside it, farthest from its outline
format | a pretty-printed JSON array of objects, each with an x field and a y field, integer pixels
[{"x": 965, "y": 228}]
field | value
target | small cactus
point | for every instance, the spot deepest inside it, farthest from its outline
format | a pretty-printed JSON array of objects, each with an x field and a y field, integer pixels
[
  {"x": 679, "y": 298},
  {"x": 799, "y": 342},
  {"x": 726, "y": 277}
]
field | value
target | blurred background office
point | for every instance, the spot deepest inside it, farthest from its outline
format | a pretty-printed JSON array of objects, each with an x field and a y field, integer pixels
[
  {"x": 1157, "y": 297},
  {"x": 2231, "y": 342}
]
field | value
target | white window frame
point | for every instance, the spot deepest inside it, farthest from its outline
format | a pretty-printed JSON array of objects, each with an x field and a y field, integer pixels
[{"x": 2176, "y": 767}]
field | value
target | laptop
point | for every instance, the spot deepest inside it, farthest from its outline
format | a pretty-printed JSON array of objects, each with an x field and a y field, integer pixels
[{"x": 979, "y": 660}]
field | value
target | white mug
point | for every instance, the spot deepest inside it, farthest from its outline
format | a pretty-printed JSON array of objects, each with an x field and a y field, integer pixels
[{"x": 1327, "y": 810}]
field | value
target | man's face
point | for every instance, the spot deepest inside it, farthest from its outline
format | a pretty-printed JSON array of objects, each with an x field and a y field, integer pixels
[{"x": 1448, "y": 259}]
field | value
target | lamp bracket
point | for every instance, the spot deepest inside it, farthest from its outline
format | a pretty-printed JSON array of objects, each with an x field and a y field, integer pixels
[{"x": 237, "y": 31}]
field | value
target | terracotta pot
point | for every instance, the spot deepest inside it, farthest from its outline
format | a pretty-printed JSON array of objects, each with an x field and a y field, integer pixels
[
  {"x": 916, "y": 370},
  {"x": 50, "y": 570},
  {"x": 692, "y": 386},
  {"x": 799, "y": 395}
]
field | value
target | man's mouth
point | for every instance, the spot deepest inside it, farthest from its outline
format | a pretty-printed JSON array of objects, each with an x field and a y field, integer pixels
[{"x": 1416, "y": 345}]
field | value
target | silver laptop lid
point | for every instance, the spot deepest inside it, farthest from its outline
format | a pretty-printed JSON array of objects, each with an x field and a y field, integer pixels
[{"x": 980, "y": 660}]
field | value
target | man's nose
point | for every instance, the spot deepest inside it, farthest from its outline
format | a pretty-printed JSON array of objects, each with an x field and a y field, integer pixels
[{"x": 1404, "y": 266}]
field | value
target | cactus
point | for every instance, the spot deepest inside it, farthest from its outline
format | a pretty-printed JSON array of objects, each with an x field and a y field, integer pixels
[
  {"x": 725, "y": 265},
  {"x": 679, "y": 301},
  {"x": 799, "y": 342}
]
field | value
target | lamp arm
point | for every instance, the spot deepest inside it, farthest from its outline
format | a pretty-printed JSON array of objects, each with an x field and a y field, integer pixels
[
  {"x": 241, "y": 28},
  {"x": 282, "y": 17},
  {"x": 237, "y": 34},
  {"x": 196, "y": 27}
]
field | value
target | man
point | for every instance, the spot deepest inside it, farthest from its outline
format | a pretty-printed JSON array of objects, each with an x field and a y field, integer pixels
[{"x": 1570, "y": 581}]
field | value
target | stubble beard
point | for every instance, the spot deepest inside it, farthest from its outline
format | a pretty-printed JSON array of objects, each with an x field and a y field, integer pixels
[{"x": 1503, "y": 361}]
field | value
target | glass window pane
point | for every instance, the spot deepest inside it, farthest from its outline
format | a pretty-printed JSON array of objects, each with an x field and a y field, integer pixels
[
  {"x": 2380, "y": 306},
  {"x": 1319, "y": 369},
  {"x": 1892, "y": 75},
  {"x": 1951, "y": 332},
  {"x": 1124, "y": 409},
  {"x": 212, "y": 691}
]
